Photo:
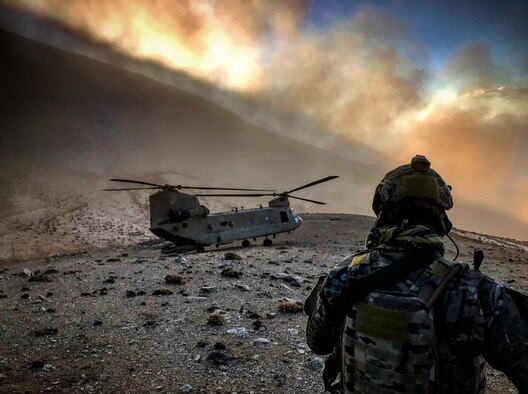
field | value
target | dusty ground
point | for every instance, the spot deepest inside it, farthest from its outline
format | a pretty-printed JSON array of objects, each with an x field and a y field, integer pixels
[{"x": 89, "y": 322}]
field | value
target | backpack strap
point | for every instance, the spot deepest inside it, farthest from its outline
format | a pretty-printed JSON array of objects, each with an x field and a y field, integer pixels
[
  {"x": 386, "y": 276},
  {"x": 444, "y": 270}
]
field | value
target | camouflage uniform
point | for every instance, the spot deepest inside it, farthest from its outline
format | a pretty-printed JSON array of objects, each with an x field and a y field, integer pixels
[{"x": 475, "y": 319}]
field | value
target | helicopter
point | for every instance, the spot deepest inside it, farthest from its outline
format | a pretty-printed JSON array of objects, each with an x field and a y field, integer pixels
[{"x": 179, "y": 217}]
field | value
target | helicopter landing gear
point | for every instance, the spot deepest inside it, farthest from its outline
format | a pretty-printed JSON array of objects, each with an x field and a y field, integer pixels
[
  {"x": 267, "y": 242},
  {"x": 200, "y": 248},
  {"x": 245, "y": 243}
]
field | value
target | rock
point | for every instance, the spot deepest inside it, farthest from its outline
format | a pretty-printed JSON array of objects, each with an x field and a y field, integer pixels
[
  {"x": 162, "y": 292},
  {"x": 219, "y": 346},
  {"x": 37, "y": 364},
  {"x": 244, "y": 287},
  {"x": 231, "y": 273},
  {"x": 241, "y": 332},
  {"x": 197, "y": 358},
  {"x": 113, "y": 260},
  {"x": 130, "y": 294},
  {"x": 25, "y": 272},
  {"x": 258, "y": 325},
  {"x": 97, "y": 323},
  {"x": 293, "y": 331},
  {"x": 39, "y": 278},
  {"x": 232, "y": 256},
  {"x": 294, "y": 279},
  {"x": 252, "y": 315},
  {"x": 109, "y": 280},
  {"x": 150, "y": 324},
  {"x": 261, "y": 341},
  {"x": 103, "y": 291},
  {"x": 218, "y": 358},
  {"x": 175, "y": 279},
  {"x": 186, "y": 388},
  {"x": 50, "y": 271},
  {"x": 45, "y": 332},
  {"x": 209, "y": 289},
  {"x": 201, "y": 344},
  {"x": 271, "y": 315},
  {"x": 24, "y": 296},
  {"x": 225, "y": 264},
  {"x": 264, "y": 294},
  {"x": 48, "y": 368},
  {"x": 316, "y": 364},
  {"x": 285, "y": 287},
  {"x": 3, "y": 377}
]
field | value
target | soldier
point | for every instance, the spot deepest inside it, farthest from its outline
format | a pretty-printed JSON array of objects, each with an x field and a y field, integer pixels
[{"x": 399, "y": 317}]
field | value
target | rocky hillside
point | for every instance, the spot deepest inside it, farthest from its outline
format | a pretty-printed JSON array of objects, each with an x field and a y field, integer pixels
[{"x": 227, "y": 320}]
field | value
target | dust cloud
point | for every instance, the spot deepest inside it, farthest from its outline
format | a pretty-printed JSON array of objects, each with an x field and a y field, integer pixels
[{"x": 363, "y": 81}]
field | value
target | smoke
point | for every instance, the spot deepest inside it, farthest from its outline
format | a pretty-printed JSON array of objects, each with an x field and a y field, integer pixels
[
  {"x": 364, "y": 79},
  {"x": 219, "y": 41}
]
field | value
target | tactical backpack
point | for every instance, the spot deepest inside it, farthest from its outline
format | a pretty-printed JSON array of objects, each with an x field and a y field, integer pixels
[{"x": 387, "y": 342}]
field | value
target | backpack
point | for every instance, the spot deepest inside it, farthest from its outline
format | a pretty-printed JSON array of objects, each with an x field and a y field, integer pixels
[{"x": 387, "y": 342}]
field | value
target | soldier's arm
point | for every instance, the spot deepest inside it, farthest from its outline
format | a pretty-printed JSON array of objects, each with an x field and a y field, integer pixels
[
  {"x": 505, "y": 345},
  {"x": 322, "y": 328}
]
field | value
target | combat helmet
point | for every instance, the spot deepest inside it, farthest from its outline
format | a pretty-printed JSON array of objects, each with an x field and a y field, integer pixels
[{"x": 414, "y": 190}]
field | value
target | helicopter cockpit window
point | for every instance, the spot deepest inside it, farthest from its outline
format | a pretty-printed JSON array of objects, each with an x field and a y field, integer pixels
[{"x": 284, "y": 216}]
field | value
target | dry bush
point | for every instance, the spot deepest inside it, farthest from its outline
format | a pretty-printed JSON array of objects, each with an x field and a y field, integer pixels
[
  {"x": 289, "y": 306},
  {"x": 232, "y": 256},
  {"x": 216, "y": 319}
]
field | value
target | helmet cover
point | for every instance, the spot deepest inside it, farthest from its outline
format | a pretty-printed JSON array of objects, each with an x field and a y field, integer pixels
[{"x": 415, "y": 183}]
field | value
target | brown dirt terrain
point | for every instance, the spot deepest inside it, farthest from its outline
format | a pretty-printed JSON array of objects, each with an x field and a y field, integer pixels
[{"x": 90, "y": 322}]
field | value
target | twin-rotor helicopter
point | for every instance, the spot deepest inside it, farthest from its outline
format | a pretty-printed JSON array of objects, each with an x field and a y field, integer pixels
[{"x": 179, "y": 217}]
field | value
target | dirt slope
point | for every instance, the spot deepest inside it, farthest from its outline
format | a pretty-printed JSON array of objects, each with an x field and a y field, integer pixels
[{"x": 90, "y": 323}]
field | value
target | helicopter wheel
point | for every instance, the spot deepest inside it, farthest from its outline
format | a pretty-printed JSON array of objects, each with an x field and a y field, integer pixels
[
  {"x": 245, "y": 243},
  {"x": 267, "y": 242}
]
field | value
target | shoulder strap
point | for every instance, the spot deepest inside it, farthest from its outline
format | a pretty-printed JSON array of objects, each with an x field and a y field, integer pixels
[{"x": 387, "y": 276}]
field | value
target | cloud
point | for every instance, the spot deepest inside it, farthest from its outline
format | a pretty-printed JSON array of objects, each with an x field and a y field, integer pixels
[
  {"x": 365, "y": 79},
  {"x": 217, "y": 41}
]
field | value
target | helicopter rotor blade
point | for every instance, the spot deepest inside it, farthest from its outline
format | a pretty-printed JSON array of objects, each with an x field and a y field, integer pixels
[
  {"x": 231, "y": 195},
  {"x": 137, "y": 182},
  {"x": 307, "y": 199},
  {"x": 189, "y": 187},
  {"x": 222, "y": 188},
  {"x": 130, "y": 188},
  {"x": 328, "y": 178}
]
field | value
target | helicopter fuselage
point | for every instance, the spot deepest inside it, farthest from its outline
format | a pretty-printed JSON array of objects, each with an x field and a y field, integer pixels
[{"x": 225, "y": 227}]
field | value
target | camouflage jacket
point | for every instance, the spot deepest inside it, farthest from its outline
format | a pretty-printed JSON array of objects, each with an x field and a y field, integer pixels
[{"x": 475, "y": 318}]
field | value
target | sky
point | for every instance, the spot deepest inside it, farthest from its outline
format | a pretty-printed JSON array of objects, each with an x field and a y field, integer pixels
[
  {"x": 444, "y": 25},
  {"x": 448, "y": 79}
]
